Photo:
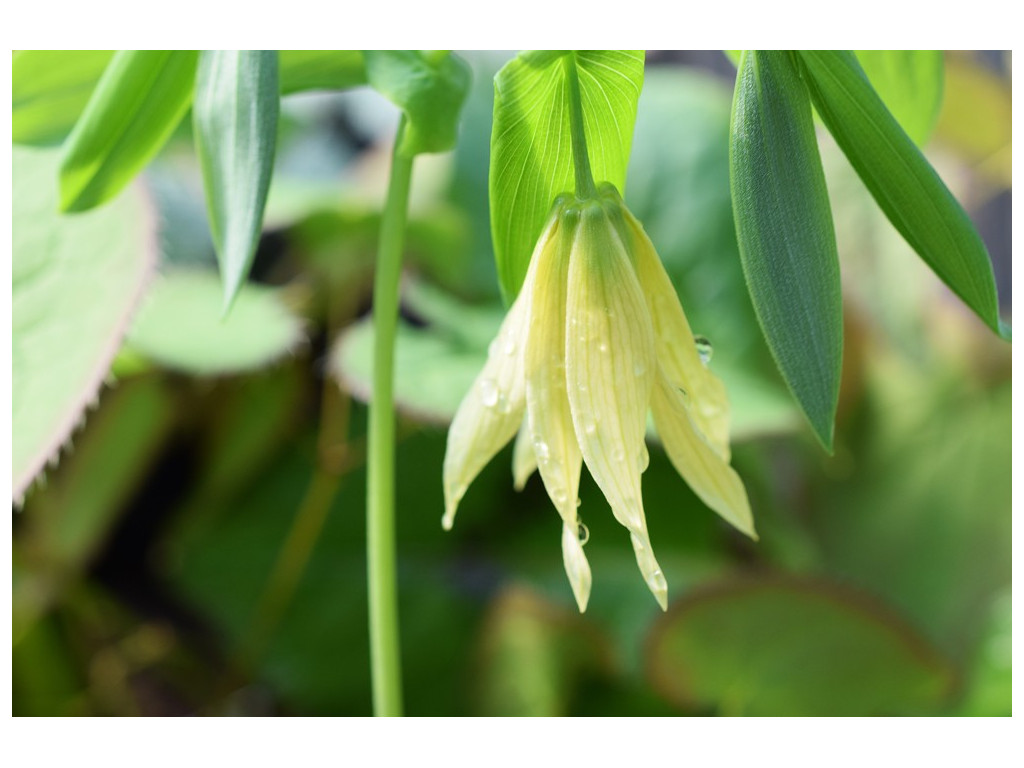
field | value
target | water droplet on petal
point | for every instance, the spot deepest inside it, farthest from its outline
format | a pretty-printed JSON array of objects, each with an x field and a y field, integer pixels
[
  {"x": 504, "y": 406},
  {"x": 489, "y": 393},
  {"x": 619, "y": 455},
  {"x": 583, "y": 533},
  {"x": 602, "y": 347},
  {"x": 637, "y": 544},
  {"x": 639, "y": 369},
  {"x": 644, "y": 459},
  {"x": 704, "y": 348},
  {"x": 510, "y": 347},
  {"x": 542, "y": 450},
  {"x": 579, "y": 502},
  {"x": 590, "y": 428}
]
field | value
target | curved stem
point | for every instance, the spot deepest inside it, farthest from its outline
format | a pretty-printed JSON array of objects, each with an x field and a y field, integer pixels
[
  {"x": 385, "y": 660},
  {"x": 585, "y": 187}
]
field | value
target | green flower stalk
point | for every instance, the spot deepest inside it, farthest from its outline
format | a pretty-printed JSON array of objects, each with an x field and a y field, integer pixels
[{"x": 596, "y": 339}]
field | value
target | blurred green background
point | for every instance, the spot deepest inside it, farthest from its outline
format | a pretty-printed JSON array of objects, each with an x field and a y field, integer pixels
[{"x": 200, "y": 548}]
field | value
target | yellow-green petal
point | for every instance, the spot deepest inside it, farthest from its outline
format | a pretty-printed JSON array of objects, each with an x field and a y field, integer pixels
[
  {"x": 703, "y": 468},
  {"x": 609, "y": 374},
  {"x": 493, "y": 408},
  {"x": 524, "y": 462},
  {"x": 547, "y": 404},
  {"x": 551, "y": 429},
  {"x": 675, "y": 345},
  {"x": 576, "y": 566}
]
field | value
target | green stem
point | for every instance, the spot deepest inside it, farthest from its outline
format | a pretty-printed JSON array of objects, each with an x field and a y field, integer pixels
[
  {"x": 585, "y": 187},
  {"x": 385, "y": 661}
]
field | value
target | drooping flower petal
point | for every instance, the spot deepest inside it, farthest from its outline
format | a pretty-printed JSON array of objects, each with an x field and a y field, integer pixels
[
  {"x": 609, "y": 373},
  {"x": 676, "y": 346},
  {"x": 703, "y": 468},
  {"x": 576, "y": 566},
  {"x": 492, "y": 410},
  {"x": 554, "y": 440},
  {"x": 524, "y": 460}
]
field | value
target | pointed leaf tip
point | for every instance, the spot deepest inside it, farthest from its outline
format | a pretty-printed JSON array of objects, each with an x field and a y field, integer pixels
[
  {"x": 785, "y": 232},
  {"x": 235, "y": 121}
]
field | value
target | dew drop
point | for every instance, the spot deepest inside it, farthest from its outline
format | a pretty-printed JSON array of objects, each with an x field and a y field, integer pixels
[
  {"x": 583, "y": 533},
  {"x": 638, "y": 546},
  {"x": 602, "y": 347},
  {"x": 619, "y": 455},
  {"x": 489, "y": 393},
  {"x": 504, "y": 406},
  {"x": 644, "y": 459},
  {"x": 704, "y": 348},
  {"x": 590, "y": 428},
  {"x": 510, "y": 347},
  {"x": 639, "y": 369},
  {"x": 579, "y": 502},
  {"x": 542, "y": 450}
]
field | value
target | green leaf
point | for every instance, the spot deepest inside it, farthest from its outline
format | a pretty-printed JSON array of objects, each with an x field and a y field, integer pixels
[
  {"x": 137, "y": 104},
  {"x": 235, "y": 117},
  {"x": 49, "y": 90},
  {"x": 435, "y": 365},
  {"x": 180, "y": 326},
  {"x": 788, "y": 647},
  {"x": 67, "y": 521},
  {"x": 911, "y": 85},
  {"x": 532, "y": 653},
  {"x": 784, "y": 226},
  {"x": 75, "y": 283},
  {"x": 531, "y": 156},
  {"x": 320, "y": 70},
  {"x": 902, "y": 181},
  {"x": 429, "y": 89}
]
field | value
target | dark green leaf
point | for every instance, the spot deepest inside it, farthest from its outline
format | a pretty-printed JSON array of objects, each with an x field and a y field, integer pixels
[
  {"x": 784, "y": 225},
  {"x": 235, "y": 118},
  {"x": 428, "y": 88},
  {"x": 911, "y": 84},
  {"x": 532, "y": 651},
  {"x": 49, "y": 89},
  {"x": 67, "y": 520},
  {"x": 902, "y": 181},
  {"x": 531, "y": 155},
  {"x": 321, "y": 70},
  {"x": 137, "y": 104},
  {"x": 789, "y": 647}
]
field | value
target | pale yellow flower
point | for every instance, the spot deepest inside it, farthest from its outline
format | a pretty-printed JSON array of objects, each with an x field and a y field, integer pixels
[{"x": 594, "y": 340}]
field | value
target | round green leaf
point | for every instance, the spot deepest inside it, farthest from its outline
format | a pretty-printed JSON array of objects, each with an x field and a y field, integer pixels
[
  {"x": 788, "y": 647},
  {"x": 180, "y": 326}
]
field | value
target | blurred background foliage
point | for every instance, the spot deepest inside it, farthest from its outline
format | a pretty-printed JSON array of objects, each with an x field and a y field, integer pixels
[{"x": 200, "y": 547}]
